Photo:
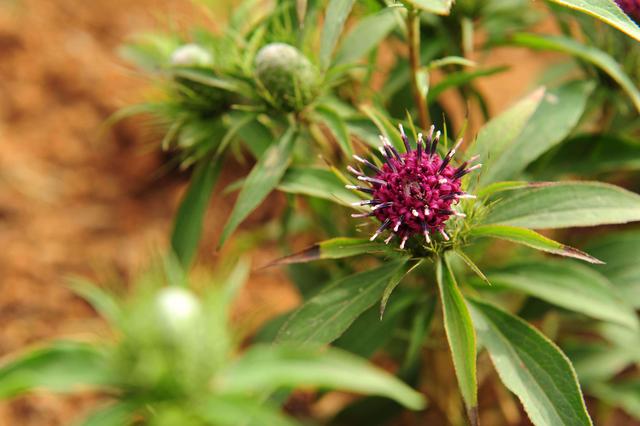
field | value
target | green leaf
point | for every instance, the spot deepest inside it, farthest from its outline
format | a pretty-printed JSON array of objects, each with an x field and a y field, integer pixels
[
  {"x": 532, "y": 367},
  {"x": 335, "y": 248},
  {"x": 587, "y": 53},
  {"x": 570, "y": 285},
  {"x": 188, "y": 222},
  {"x": 366, "y": 35},
  {"x": 232, "y": 410},
  {"x": 263, "y": 178},
  {"x": 60, "y": 367},
  {"x": 117, "y": 414},
  {"x": 103, "y": 302},
  {"x": 393, "y": 283},
  {"x": 532, "y": 239},
  {"x": 566, "y": 204},
  {"x": 324, "y": 317},
  {"x": 320, "y": 183},
  {"x": 471, "y": 265},
  {"x": 621, "y": 254},
  {"x": 607, "y": 11},
  {"x": 384, "y": 125},
  {"x": 556, "y": 115},
  {"x": 497, "y": 187},
  {"x": 337, "y": 13},
  {"x": 338, "y": 128},
  {"x": 461, "y": 337},
  {"x": 269, "y": 367},
  {"x": 439, "y": 7},
  {"x": 497, "y": 135}
]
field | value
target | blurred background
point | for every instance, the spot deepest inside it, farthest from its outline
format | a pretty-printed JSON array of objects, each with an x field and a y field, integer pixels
[{"x": 77, "y": 198}]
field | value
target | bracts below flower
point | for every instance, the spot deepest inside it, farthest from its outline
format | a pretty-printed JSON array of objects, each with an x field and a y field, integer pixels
[{"x": 412, "y": 192}]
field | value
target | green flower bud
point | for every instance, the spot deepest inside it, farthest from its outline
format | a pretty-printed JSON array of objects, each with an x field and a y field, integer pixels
[
  {"x": 191, "y": 55},
  {"x": 195, "y": 95},
  {"x": 289, "y": 77},
  {"x": 178, "y": 313}
]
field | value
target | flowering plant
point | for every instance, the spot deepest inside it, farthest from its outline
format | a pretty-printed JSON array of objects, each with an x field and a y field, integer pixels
[{"x": 464, "y": 258}]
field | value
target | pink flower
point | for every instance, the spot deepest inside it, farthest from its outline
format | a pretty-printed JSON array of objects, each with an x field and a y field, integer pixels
[{"x": 413, "y": 192}]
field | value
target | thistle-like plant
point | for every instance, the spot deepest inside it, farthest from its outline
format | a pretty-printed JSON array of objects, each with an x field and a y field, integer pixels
[{"x": 175, "y": 361}]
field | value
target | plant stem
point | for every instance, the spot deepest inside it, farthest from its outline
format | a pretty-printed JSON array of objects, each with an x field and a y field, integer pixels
[{"x": 413, "y": 32}]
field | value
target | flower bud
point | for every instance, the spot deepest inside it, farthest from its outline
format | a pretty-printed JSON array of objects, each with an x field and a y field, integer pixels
[
  {"x": 289, "y": 77},
  {"x": 194, "y": 94},
  {"x": 178, "y": 312},
  {"x": 191, "y": 55}
]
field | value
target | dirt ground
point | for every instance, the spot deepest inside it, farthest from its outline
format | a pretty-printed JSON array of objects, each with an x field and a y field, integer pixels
[{"x": 75, "y": 201}]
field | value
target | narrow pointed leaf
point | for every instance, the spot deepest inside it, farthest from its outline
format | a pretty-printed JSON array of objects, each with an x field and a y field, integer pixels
[
  {"x": 589, "y": 54},
  {"x": 391, "y": 285},
  {"x": 566, "y": 204},
  {"x": 532, "y": 367},
  {"x": 262, "y": 179},
  {"x": 607, "y": 11},
  {"x": 334, "y": 19},
  {"x": 625, "y": 394},
  {"x": 471, "y": 264},
  {"x": 188, "y": 222},
  {"x": 60, "y": 367},
  {"x": 570, "y": 285},
  {"x": 325, "y": 316},
  {"x": 532, "y": 239},
  {"x": 103, "y": 302},
  {"x": 461, "y": 336},
  {"x": 264, "y": 367},
  {"x": 335, "y": 248}
]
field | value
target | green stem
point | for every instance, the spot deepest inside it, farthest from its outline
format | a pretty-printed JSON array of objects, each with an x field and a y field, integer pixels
[{"x": 413, "y": 33}]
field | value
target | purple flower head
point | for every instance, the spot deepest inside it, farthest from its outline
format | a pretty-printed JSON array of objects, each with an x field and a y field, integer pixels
[
  {"x": 631, "y": 8},
  {"x": 412, "y": 192}
]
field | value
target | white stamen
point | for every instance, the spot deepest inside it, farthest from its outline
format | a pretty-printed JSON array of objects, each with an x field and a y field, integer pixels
[
  {"x": 382, "y": 151},
  {"x": 444, "y": 235},
  {"x": 374, "y": 236},
  {"x": 477, "y": 166},
  {"x": 426, "y": 211},
  {"x": 404, "y": 240},
  {"x": 359, "y": 215},
  {"x": 401, "y": 129},
  {"x": 351, "y": 187},
  {"x": 426, "y": 236},
  {"x": 354, "y": 171},
  {"x": 474, "y": 158},
  {"x": 360, "y": 159},
  {"x": 459, "y": 214},
  {"x": 395, "y": 228},
  {"x": 415, "y": 212},
  {"x": 386, "y": 240},
  {"x": 440, "y": 181},
  {"x": 420, "y": 137}
]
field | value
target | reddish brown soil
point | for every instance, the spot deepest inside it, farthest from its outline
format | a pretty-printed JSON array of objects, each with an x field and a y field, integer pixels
[{"x": 73, "y": 201}]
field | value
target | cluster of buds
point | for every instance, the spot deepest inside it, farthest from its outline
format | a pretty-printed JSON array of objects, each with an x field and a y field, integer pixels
[{"x": 412, "y": 193}]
